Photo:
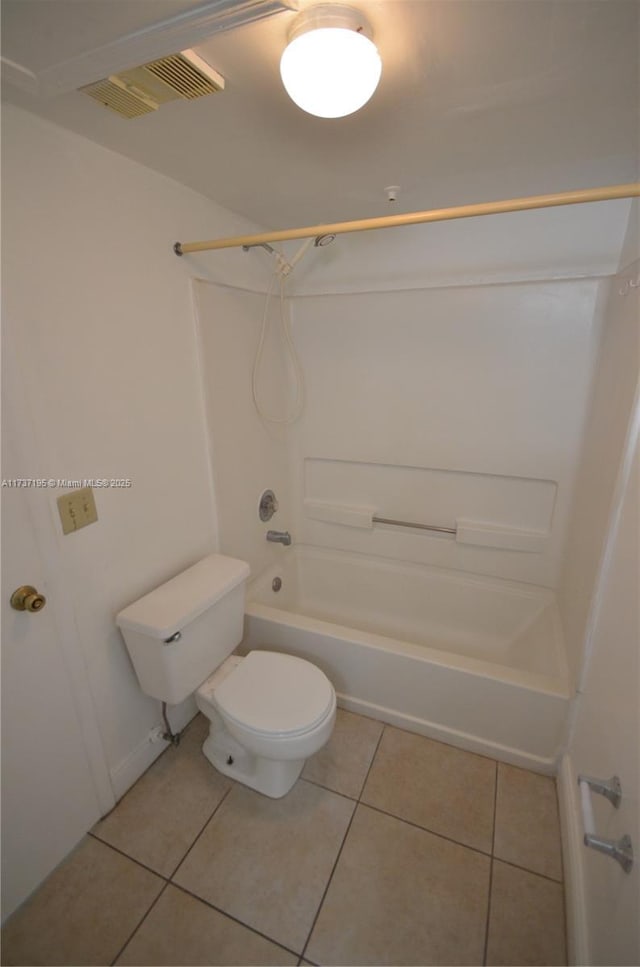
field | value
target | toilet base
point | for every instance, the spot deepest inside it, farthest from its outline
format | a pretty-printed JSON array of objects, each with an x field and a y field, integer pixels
[{"x": 271, "y": 777}]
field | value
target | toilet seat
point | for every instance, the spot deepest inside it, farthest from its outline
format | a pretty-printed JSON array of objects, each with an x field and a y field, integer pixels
[{"x": 271, "y": 694}]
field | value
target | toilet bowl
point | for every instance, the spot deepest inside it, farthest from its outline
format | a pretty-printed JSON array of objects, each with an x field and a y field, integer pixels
[{"x": 268, "y": 713}]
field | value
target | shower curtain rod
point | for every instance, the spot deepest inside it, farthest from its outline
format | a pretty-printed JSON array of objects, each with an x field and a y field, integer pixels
[{"x": 578, "y": 197}]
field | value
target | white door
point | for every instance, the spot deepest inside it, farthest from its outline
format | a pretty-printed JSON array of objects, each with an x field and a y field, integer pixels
[
  {"x": 606, "y": 740},
  {"x": 50, "y": 796}
]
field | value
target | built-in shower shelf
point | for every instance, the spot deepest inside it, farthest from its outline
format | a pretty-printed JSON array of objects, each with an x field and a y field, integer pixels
[{"x": 481, "y": 533}]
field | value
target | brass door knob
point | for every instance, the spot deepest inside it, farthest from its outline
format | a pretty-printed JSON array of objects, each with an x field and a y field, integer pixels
[{"x": 27, "y": 598}]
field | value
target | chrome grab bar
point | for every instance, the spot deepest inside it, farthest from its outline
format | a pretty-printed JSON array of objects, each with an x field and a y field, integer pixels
[{"x": 422, "y": 527}]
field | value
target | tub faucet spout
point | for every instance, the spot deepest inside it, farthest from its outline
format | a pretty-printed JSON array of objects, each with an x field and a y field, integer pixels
[{"x": 279, "y": 537}]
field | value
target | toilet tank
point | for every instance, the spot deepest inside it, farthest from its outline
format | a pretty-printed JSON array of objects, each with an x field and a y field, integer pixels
[{"x": 178, "y": 634}]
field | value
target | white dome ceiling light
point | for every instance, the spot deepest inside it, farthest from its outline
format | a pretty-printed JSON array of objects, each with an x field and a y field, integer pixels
[{"x": 331, "y": 66}]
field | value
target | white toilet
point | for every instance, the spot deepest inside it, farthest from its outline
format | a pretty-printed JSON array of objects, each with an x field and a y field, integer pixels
[{"x": 268, "y": 711}]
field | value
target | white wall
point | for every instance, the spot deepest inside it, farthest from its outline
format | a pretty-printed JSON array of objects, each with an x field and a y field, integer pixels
[
  {"x": 439, "y": 404},
  {"x": 606, "y": 741},
  {"x": 631, "y": 244},
  {"x": 249, "y": 454},
  {"x": 603, "y": 900},
  {"x": 100, "y": 311},
  {"x": 554, "y": 243},
  {"x": 600, "y": 599},
  {"x": 605, "y": 431}
]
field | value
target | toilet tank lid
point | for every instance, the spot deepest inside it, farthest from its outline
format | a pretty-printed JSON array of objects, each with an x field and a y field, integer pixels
[{"x": 172, "y": 605}]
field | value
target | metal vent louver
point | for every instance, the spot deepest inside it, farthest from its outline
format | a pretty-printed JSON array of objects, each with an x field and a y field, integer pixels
[
  {"x": 119, "y": 98},
  {"x": 140, "y": 90},
  {"x": 184, "y": 77}
]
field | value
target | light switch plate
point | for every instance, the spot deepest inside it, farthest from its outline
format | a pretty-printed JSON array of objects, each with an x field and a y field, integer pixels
[{"x": 77, "y": 509}]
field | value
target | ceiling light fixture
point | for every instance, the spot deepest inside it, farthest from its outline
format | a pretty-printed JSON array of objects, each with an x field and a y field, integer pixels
[{"x": 331, "y": 66}]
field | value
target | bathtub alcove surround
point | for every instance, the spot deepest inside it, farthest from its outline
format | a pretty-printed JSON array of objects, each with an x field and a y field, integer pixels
[{"x": 463, "y": 407}]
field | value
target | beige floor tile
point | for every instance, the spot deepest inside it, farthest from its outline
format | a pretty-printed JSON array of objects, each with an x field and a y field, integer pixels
[
  {"x": 343, "y": 763},
  {"x": 84, "y": 911},
  {"x": 527, "y": 824},
  {"x": 443, "y": 789},
  {"x": 401, "y": 895},
  {"x": 181, "y": 930},
  {"x": 160, "y": 817},
  {"x": 526, "y": 922},
  {"x": 268, "y": 861}
]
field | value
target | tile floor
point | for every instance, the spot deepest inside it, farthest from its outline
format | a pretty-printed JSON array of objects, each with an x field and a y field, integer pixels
[{"x": 390, "y": 849}]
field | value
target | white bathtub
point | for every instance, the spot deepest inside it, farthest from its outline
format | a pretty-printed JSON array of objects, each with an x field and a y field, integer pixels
[{"x": 477, "y": 662}]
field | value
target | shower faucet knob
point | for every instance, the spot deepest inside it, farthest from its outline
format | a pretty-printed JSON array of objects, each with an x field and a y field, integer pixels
[{"x": 268, "y": 505}]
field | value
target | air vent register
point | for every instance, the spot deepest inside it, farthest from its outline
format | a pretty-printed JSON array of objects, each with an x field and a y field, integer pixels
[{"x": 141, "y": 90}]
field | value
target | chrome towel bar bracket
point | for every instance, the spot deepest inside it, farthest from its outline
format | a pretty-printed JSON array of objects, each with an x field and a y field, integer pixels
[
  {"x": 620, "y": 850},
  {"x": 609, "y": 788}
]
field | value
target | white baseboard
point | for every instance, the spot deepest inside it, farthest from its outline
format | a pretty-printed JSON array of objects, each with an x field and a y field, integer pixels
[
  {"x": 146, "y": 752},
  {"x": 442, "y": 733},
  {"x": 572, "y": 857}
]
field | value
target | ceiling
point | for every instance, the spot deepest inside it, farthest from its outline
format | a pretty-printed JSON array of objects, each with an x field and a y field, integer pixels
[{"x": 479, "y": 100}]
